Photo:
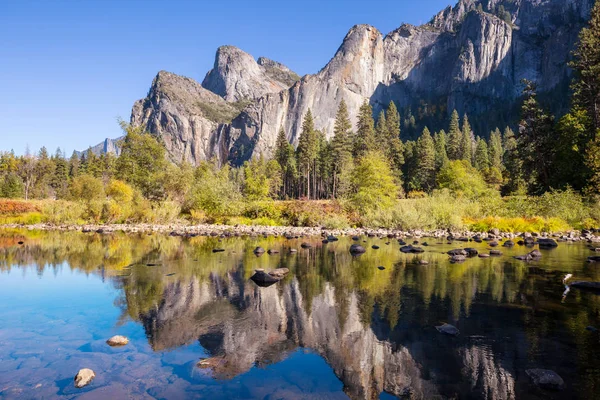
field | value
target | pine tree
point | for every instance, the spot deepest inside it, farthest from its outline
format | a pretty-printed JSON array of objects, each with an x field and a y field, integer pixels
[
  {"x": 467, "y": 141},
  {"x": 495, "y": 150},
  {"x": 307, "y": 151},
  {"x": 455, "y": 139},
  {"x": 410, "y": 165},
  {"x": 441, "y": 155},
  {"x": 281, "y": 155},
  {"x": 481, "y": 159},
  {"x": 281, "y": 148},
  {"x": 535, "y": 141},
  {"x": 586, "y": 97},
  {"x": 74, "y": 165},
  {"x": 381, "y": 132},
  {"x": 513, "y": 172},
  {"x": 341, "y": 150},
  {"x": 364, "y": 139},
  {"x": 60, "y": 178},
  {"x": 394, "y": 147},
  {"x": 425, "y": 167}
]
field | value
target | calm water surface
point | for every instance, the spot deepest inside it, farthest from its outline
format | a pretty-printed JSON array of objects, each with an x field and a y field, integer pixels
[{"x": 335, "y": 327}]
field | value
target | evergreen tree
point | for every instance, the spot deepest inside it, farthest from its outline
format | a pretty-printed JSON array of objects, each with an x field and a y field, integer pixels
[
  {"x": 74, "y": 165},
  {"x": 441, "y": 155},
  {"x": 481, "y": 159},
  {"x": 467, "y": 141},
  {"x": 281, "y": 148},
  {"x": 582, "y": 126},
  {"x": 455, "y": 139},
  {"x": 307, "y": 151},
  {"x": 394, "y": 147},
  {"x": 495, "y": 149},
  {"x": 381, "y": 132},
  {"x": 513, "y": 166},
  {"x": 410, "y": 165},
  {"x": 281, "y": 156},
  {"x": 586, "y": 67},
  {"x": 425, "y": 163},
  {"x": 341, "y": 150},
  {"x": 60, "y": 178},
  {"x": 142, "y": 161},
  {"x": 535, "y": 141},
  {"x": 364, "y": 140}
]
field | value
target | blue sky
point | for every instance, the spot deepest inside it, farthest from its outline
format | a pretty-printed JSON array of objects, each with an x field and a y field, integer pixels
[{"x": 69, "y": 68}]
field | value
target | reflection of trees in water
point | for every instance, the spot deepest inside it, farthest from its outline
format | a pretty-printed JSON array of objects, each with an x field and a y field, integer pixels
[{"x": 373, "y": 327}]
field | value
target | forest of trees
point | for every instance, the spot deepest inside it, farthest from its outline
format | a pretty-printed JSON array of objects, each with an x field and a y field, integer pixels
[{"x": 368, "y": 164}]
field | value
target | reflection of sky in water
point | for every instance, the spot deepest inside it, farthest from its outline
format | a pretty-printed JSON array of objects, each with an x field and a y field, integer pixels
[{"x": 335, "y": 327}]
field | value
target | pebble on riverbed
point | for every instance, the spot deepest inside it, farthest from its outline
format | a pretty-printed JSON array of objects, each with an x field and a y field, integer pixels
[
  {"x": 84, "y": 377},
  {"x": 117, "y": 340}
]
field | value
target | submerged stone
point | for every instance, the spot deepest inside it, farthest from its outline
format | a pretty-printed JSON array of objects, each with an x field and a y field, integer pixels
[
  {"x": 448, "y": 329},
  {"x": 117, "y": 340},
  {"x": 84, "y": 377}
]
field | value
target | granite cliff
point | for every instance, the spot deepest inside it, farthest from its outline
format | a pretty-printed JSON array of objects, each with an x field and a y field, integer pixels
[{"x": 471, "y": 57}]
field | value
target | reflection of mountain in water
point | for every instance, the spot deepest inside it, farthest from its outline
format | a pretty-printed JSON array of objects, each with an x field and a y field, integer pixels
[{"x": 242, "y": 325}]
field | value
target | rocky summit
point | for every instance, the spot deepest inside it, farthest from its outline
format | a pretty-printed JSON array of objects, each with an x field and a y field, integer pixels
[{"x": 471, "y": 57}]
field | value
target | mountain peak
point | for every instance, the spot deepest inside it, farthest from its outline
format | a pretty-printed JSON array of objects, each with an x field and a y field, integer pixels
[{"x": 236, "y": 75}]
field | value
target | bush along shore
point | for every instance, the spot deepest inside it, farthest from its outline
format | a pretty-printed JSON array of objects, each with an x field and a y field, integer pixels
[{"x": 291, "y": 232}]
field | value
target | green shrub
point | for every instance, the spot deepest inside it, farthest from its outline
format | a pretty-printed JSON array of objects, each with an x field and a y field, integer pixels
[{"x": 63, "y": 212}]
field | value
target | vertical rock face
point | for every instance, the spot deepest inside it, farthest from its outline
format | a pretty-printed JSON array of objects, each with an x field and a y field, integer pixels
[
  {"x": 186, "y": 117},
  {"x": 237, "y": 76},
  {"x": 468, "y": 58}
]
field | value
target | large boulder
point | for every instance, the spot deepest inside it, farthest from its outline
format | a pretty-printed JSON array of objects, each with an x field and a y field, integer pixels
[
  {"x": 357, "y": 249},
  {"x": 546, "y": 242},
  {"x": 457, "y": 252},
  {"x": 261, "y": 278}
]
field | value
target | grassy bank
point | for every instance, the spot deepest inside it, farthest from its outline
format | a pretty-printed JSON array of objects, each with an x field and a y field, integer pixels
[{"x": 552, "y": 212}]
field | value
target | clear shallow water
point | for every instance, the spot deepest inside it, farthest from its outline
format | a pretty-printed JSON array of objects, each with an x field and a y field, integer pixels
[{"x": 335, "y": 327}]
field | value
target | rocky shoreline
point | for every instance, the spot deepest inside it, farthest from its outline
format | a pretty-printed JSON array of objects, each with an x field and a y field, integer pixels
[{"x": 293, "y": 231}]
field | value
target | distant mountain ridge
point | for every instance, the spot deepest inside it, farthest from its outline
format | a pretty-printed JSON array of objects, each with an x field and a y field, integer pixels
[{"x": 470, "y": 57}]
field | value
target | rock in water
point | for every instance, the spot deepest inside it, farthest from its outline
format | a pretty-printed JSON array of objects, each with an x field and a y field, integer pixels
[
  {"x": 448, "y": 329},
  {"x": 259, "y": 250},
  {"x": 357, "y": 249},
  {"x": 458, "y": 258},
  {"x": 548, "y": 243},
  {"x": 84, "y": 377},
  {"x": 586, "y": 285},
  {"x": 117, "y": 340},
  {"x": 546, "y": 379},
  {"x": 279, "y": 272},
  {"x": 471, "y": 252},
  {"x": 306, "y": 245},
  {"x": 261, "y": 278},
  {"x": 457, "y": 252}
]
